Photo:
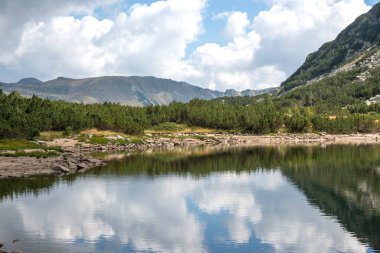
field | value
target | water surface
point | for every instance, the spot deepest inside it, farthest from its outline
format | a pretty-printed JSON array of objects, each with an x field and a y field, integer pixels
[{"x": 262, "y": 199}]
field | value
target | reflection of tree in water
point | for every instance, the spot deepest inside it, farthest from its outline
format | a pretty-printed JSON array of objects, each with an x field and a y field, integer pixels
[
  {"x": 348, "y": 189},
  {"x": 342, "y": 181},
  {"x": 14, "y": 187}
]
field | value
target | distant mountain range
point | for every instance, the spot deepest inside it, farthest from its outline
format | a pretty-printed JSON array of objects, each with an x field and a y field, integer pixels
[{"x": 132, "y": 90}]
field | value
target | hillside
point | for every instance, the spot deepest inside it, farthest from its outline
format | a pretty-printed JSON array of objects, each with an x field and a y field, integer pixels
[
  {"x": 125, "y": 90},
  {"x": 352, "y": 44},
  {"x": 133, "y": 90}
]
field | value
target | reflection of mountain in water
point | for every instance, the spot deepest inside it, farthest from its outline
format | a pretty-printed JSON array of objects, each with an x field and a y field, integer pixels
[{"x": 342, "y": 181}]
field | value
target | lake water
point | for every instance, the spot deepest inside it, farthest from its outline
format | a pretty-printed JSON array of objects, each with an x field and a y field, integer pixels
[{"x": 272, "y": 199}]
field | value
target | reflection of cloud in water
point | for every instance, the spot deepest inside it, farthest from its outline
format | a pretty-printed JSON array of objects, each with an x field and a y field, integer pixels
[
  {"x": 152, "y": 214},
  {"x": 233, "y": 193},
  {"x": 147, "y": 214},
  {"x": 279, "y": 213}
]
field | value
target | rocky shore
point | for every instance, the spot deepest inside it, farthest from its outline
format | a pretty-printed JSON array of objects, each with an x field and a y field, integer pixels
[
  {"x": 66, "y": 163},
  {"x": 148, "y": 143},
  {"x": 14, "y": 251},
  {"x": 76, "y": 156},
  {"x": 309, "y": 139}
]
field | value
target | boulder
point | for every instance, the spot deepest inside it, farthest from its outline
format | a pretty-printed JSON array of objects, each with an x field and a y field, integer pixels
[
  {"x": 72, "y": 166},
  {"x": 81, "y": 166},
  {"x": 61, "y": 168}
]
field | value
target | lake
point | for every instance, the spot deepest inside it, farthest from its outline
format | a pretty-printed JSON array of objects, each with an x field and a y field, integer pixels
[{"x": 258, "y": 199}]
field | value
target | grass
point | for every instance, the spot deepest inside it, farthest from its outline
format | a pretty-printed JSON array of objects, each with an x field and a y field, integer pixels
[
  {"x": 168, "y": 127},
  {"x": 195, "y": 137},
  {"x": 101, "y": 133},
  {"x": 171, "y": 127},
  {"x": 16, "y": 144},
  {"x": 19, "y": 145},
  {"x": 37, "y": 154},
  {"x": 51, "y": 135},
  {"x": 95, "y": 136},
  {"x": 374, "y": 115},
  {"x": 101, "y": 140}
]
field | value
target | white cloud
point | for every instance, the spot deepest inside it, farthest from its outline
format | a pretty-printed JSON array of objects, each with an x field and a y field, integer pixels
[
  {"x": 16, "y": 13},
  {"x": 148, "y": 40},
  {"x": 45, "y": 40},
  {"x": 65, "y": 45},
  {"x": 274, "y": 46},
  {"x": 152, "y": 39},
  {"x": 291, "y": 29},
  {"x": 237, "y": 23},
  {"x": 223, "y": 67}
]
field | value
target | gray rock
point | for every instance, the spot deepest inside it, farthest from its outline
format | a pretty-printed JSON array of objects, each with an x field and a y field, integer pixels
[
  {"x": 61, "y": 168},
  {"x": 81, "y": 166},
  {"x": 68, "y": 156},
  {"x": 72, "y": 165}
]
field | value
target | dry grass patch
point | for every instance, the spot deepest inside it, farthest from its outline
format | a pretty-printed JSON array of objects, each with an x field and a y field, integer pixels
[
  {"x": 102, "y": 132},
  {"x": 170, "y": 127},
  {"x": 51, "y": 135}
]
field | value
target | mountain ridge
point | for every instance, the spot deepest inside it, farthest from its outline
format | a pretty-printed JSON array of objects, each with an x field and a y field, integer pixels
[{"x": 130, "y": 90}]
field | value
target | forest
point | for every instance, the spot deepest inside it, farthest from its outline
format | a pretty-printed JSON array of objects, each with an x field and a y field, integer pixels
[{"x": 22, "y": 117}]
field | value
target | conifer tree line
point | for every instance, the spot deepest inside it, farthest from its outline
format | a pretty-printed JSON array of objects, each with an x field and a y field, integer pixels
[{"x": 22, "y": 117}]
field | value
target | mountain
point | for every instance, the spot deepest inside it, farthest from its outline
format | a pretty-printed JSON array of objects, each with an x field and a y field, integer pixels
[
  {"x": 357, "y": 43},
  {"x": 29, "y": 80},
  {"x": 344, "y": 73},
  {"x": 132, "y": 90},
  {"x": 248, "y": 93}
]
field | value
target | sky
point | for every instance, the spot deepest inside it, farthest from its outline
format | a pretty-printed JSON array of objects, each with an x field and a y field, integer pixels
[{"x": 216, "y": 44}]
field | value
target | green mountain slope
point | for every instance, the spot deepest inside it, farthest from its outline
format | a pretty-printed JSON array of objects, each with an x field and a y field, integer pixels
[{"x": 361, "y": 35}]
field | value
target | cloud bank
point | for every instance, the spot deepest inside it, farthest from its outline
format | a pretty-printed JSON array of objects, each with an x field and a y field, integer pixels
[{"x": 69, "y": 38}]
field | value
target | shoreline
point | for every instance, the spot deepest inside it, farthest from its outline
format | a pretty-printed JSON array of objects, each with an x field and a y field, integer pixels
[{"x": 76, "y": 156}]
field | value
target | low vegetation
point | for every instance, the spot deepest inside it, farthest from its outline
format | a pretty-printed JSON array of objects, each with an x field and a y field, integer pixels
[
  {"x": 168, "y": 127},
  {"x": 15, "y": 145},
  {"x": 37, "y": 154},
  {"x": 20, "y": 147}
]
